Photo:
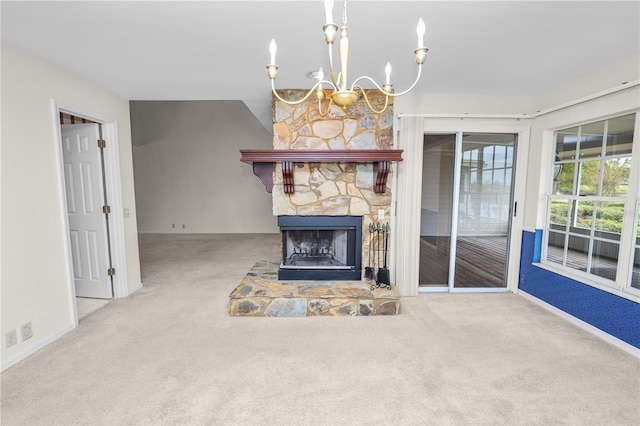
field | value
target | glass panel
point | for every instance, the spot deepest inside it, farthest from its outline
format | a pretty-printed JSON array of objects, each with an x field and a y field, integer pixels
[
  {"x": 577, "y": 253},
  {"x": 555, "y": 247},
  {"x": 591, "y": 138},
  {"x": 487, "y": 157},
  {"x": 584, "y": 216},
  {"x": 484, "y": 213},
  {"x": 589, "y": 177},
  {"x": 604, "y": 259},
  {"x": 437, "y": 202},
  {"x": 560, "y": 212},
  {"x": 487, "y": 179},
  {"x": 615, "y": 179},
  {"x": 609, "y": 218},
  {"x": 500, "y": 153},
  {"x": 566, "y": 144},
  {"x": 563, "y": 182},
  {"x": 620, "y": 135}
]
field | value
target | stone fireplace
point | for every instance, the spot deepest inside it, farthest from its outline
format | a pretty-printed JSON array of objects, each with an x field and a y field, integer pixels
[
  {"x": 340, "y": 188},
  {"x": 330, "y": 179}
]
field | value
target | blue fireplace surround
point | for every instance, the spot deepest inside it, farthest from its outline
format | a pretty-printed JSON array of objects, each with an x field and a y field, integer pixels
[{"x": 612, "y": 314}]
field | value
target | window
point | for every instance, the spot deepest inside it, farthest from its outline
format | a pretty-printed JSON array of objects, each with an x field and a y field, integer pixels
[
  {"x": 589, "y": 200},
  {"x": 485, "y": 179}
]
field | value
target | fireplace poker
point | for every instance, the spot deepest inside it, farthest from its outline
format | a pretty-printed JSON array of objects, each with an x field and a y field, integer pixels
[
  {"x": 368, "y": 271},
  {"x": 376, "y": 256},
  {"x": 383, "y": 273}
]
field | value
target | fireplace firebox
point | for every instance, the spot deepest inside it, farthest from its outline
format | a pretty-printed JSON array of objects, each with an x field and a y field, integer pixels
[{"x": 321, "y": 247}]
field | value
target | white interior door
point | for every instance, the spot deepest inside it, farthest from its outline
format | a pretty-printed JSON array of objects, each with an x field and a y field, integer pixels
[{"x": 85, "y": 199}]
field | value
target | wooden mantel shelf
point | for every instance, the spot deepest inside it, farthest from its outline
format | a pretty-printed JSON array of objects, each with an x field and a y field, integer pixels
[{"x": 263, "y": 161}]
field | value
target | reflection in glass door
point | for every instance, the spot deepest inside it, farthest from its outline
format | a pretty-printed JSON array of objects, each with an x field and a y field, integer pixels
[
  {"x": 438, "y": 166},
  {"x": 484, "y": 210},
  {"x": 466, "y": 210}
]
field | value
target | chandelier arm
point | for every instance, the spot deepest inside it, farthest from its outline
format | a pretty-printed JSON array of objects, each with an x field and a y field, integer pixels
[
  {"x": 414, "y": 83},
  {"x": 327, "y": 110},
  {"x": 364, "y": 77},
  {"x": 273, "y": 89},
  {"x": 333, "y": 86},
  {"x": 366, "y": 99}
]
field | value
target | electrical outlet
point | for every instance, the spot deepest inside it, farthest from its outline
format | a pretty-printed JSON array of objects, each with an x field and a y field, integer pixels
[
  {"x": 12, "y": 338},
  {"x": 380, "y": 214},
  {"x": 126, "y": 212},
  {"x": 26, "y": 331}
]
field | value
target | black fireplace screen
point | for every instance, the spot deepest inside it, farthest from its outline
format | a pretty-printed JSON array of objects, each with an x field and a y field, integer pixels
[
  {"x": 314, "y": 249},
  {"x": 321, "y": 247}
]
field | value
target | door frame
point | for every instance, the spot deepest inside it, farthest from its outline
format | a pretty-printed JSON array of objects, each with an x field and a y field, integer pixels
[
  {"x": 113, "y": 184},
  {"x": 409, "y": 192}
]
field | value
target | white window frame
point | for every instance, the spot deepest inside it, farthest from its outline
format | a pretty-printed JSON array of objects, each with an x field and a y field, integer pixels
[{"x": 622, "y": 285}]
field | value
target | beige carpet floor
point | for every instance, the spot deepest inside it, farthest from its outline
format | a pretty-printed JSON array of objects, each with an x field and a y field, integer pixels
[{"x": 171, "y": 354}]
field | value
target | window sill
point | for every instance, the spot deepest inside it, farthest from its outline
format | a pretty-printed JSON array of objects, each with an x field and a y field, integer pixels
[{"x": 591, "y": 280}]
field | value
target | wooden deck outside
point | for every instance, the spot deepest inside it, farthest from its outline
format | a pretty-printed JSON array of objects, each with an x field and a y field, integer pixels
[{"x": 480, "y": 261}]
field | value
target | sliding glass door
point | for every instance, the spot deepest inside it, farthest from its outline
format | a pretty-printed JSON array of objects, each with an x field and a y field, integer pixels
[
  {"x": 467, "y": 202},
  {"x": 436, "y": 212}
]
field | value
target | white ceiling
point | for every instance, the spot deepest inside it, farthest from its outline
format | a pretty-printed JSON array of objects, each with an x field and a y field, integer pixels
[{"x": 158, "y": 50}]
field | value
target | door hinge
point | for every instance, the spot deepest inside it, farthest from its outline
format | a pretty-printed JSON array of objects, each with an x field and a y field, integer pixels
[
  {"x": 106, "y": 209},
  {"x": 111, "y": 272},
  {"x": 102, "y": 143}
]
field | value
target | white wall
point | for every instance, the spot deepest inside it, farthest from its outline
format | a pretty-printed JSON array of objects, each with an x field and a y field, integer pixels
[
  {"x": 188, "y": 170},
  {"x": 35, "y": 279},
  {"x": 443, "y": 103},
  {"x": 625, "y": 70}
]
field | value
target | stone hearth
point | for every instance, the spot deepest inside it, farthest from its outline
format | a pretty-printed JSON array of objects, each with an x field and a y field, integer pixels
[{"x": 261, "y": 294}]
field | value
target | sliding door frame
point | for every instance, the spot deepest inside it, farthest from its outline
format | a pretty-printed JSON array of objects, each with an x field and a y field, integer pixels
[{"x": 409, "y": 196}]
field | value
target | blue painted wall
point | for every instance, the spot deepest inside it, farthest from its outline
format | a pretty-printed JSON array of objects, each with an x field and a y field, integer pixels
[{"x": 612, "y": 314}]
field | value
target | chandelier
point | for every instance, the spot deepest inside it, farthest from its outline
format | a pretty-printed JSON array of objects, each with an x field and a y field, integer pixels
[{"x": 342, "y": 94}]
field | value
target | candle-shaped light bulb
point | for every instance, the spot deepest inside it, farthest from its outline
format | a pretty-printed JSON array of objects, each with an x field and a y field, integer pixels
[
  {"x": 344, "y": 14},
  {"x": 328, "y": 11},
  {"x": 420, "y": 31},
  {"x": 273, "y": 49},
  {"x": 320, "y": 75},
  {"x": 387, "y": 71}
]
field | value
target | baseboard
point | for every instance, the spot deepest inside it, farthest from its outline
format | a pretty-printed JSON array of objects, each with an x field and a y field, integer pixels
[
  {"x": 31, "y": 350},
  {"x": 632, "y": 350},
  {"x": 133, "y": 289}
]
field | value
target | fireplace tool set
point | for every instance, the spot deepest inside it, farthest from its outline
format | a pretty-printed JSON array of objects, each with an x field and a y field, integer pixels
[{"x": 378, "y": 237}]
